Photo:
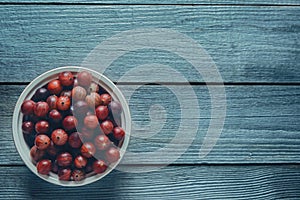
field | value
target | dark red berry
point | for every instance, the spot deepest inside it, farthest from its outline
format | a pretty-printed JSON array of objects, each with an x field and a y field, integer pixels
[
  {"x": 27, "y": 127},
  {"x": 112, "y": 155},
  {"x": 64, "y": 159},
  {"x": 27, "y": 107},
  {"x": 99, "y": 166},
  {"x": 54, "y": 87},
  {"x": 44, "y": 167},
  {"x": 105, "y": 99},
  {"x": 80, "y": 161},
  {"x": 63, "y": 103},
  {"x": 55, "y": 115},
  {"x": 52, "y": 150},
  {"x": 70, "y": 123},
  {"x": 78, "y": 93},
  {"x": 64, "y": 174},
  {"x": 102, "y": 112},
  {"x": 102, "y": 142},
  {"x": 41, "y": 94},
  {"x": 36, "y": 154},
  {"x": 75, "y": 140},
  {"x": 59, "y": 137},
  {"x": 88, "y": 149},
  {"x": 42, "y": 141},
  {"x": 84, "y": 78},
  {"x": 78, "y": 175},
  {"x": 66, "y": 78},
  {"x": 52, "y": 101},
  {"x": 42, "y": 126},
  {"x": 107, "y": 127},
  {"x": 118, "y": 133},
  {"x": 41, "y": 109},
  {"x": 91, "y": 121},
  {"x": 87, "y": 133}
]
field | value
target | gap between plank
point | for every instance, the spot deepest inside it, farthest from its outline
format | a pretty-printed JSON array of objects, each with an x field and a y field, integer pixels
[
  {"x": 189, "y": 83},
  {"x": 147, "y": 4}
]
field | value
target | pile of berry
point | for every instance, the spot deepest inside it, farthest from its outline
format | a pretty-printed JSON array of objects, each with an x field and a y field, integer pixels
[{"x": 72, "y": 126}]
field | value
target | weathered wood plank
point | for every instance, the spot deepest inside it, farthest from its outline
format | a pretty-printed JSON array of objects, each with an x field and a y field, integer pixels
[
  {"x": 248, "y": 43},
  {"x": 189, "y": 182},
  {"x": 262, "y": 125},
  {"x": 160, "y": 2}
]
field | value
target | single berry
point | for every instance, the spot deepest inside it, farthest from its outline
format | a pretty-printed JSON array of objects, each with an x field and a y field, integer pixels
[
  {"x": 102, "y": 112},
  {"x": 64, "y": 159},
  {"x": 59, "y": 137},
  {"x": 63, "y": 103},
  {"x": 41, "y": 109},
  {"x": 107, "y": 127},
  {"x": 84, "y": 78},
  {"x": 54, "y": 87},
  {"x": 52, "y": 101},
  {"x": 78, "y": 93},
  {"x": 27, "y": 127},
  {"x": 44, "y": 167},
  {"x": 102, "y": 142},
  {"x": 105, "y": 99},
  {"x": 91, "y": 121},
  {"x": 66, "y": 78},
  {"x": 42, "y": 126},
  {"x": 69, "y": 123},
  {"x": 75, "y": 140},
  {"x": 27, "y": 107},
  {"x": 88, "y": 149},
  {"x": 42, "y": 141},
  {"x": 99, "y": 166},
  {"x": 80, "y": 161}
]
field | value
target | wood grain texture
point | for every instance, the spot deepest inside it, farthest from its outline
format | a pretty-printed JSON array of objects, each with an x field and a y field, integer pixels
[
  {"x": 197, "y": 182},
  {"x": 248, "y": 43},
  {"x": 160, "y": 2},
  {"x": 262, "y": 125}
]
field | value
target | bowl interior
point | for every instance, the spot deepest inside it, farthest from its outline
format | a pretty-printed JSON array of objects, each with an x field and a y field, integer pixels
[{"x": 42, "y": 80}]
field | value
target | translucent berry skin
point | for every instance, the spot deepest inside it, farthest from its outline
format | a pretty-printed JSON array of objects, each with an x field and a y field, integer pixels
[
  {"x": 118, "y": 133},
  {"x": 107, "y": 126},
  {"x": 64, "y": 174},
  {"x": 78, "y": 93},
  {"x": 102, "y": 142},
  {"x": 99, "y": 166},
  {"x": 80, "y": 161},
  {"x": 93, "y": 88},
  {"x": 75, "y": 140},
  {"x": 41, "y": 109},
  {"x": 64, "y": 159},
  {"x": 93, "y": 100},
  {"x": 44, "y": 166},
  {"x": 84, "y": 78},
  {"x": 66, "y": 78},
  {"x": 52, "y": 101},
  {"x": 102, "y": 112},
  {"x": 42, "y": 141},
  {"x": 63, "y": 103},
  {"x": 69, "y": 123},
  {"x": 54, "y": 87},
  {"x": 105, "y": 99},
  {"x": 27, "y": 107},
  {"x": 42, "y": 126},
  {"x": 91, "y": 121},
  {"x": 112, "y": 155},
  {"x": 88, "y": 149},
  {"x": 27, "y": 127},
  {"x": 115, "y": 108},
  {"x": 78, "y": 175},
  {"x": 80, "y": 108},
  {"x": 59, "y": 137},
  {"x": 36, "y": 154}
]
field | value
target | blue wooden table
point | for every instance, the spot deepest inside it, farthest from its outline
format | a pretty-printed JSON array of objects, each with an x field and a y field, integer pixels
[{"x": 255, "y": 45}]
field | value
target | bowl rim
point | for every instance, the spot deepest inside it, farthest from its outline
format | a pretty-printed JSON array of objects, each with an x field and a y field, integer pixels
[{"x": 18, "y": 116}]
